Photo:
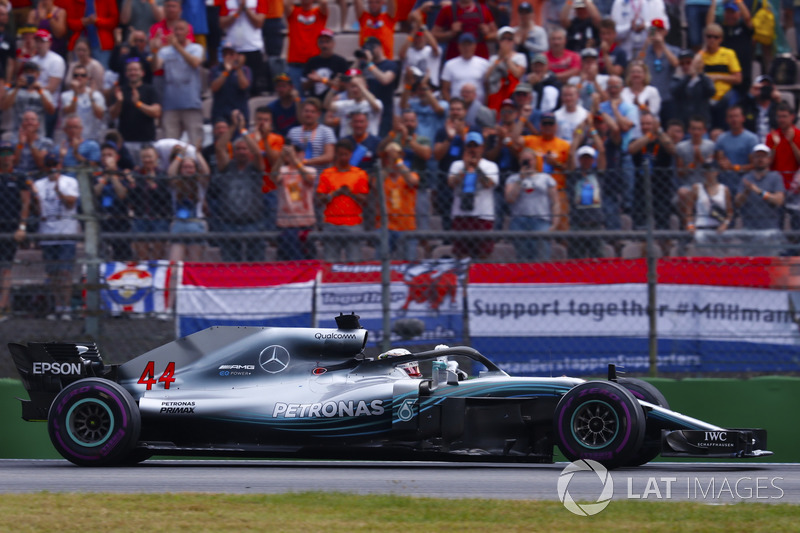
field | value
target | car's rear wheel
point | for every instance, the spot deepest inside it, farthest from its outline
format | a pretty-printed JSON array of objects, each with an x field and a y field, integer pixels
[
  {"x": 651, "y": 446},
  {"x": 599, "y": 420},
  {"x": 94, "y": 422}
]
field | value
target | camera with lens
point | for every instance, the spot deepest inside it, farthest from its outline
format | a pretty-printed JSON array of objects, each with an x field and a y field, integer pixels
[
  {"x": 468, "y": 201},
  {"x": 360, "y": 54},
  {"x": 30, "y": 79},
  {"x": 765, "y": 92}
]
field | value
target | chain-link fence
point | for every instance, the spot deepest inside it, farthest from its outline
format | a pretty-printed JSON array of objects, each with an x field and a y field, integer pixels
[{"x": 655, "y": 271}]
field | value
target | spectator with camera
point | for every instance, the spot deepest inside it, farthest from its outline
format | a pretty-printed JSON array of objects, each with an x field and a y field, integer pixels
[
  {"x": 321, "y": 71},
  {"x": 57, "y": 204},
  {"x": 348, "y": 95},
  {"x": 230, "y": 84},
  {"x": 342, "y": 193},
  {"x": 28, "y": 95},
  {"x": 533, "y": 200},
  {"x": 760, "y": 107},
  {"x": 473, "y": 180},
  {"x": 421, "y": 51}
]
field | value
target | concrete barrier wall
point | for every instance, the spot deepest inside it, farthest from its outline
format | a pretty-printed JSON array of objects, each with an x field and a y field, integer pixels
[{"x": 766, "y": 402}]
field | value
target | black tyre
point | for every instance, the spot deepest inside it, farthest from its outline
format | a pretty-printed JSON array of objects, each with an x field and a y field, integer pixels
[
  {"x": 94, "y": 422},
  {"x": 651, "y": 446},
  {"x": 599, "y": 420}
]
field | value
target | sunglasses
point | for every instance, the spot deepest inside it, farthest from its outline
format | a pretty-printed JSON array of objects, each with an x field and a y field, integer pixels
[
  {"x": 80, "y": 75},
  {"x": 713, "y": 36}
]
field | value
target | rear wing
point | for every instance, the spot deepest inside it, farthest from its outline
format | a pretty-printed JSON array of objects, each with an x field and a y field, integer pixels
[{"x": 46, "y": 368}]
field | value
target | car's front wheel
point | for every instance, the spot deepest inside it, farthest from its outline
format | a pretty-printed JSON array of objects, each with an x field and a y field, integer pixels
[
  {"x": 651, "y": 447},
  {"x": 599, "y": 420},
  {"x": 94, "y": 422}
]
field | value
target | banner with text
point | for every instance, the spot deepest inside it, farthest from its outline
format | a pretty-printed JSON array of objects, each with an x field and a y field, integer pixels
[{"x": 731, "y": 314}]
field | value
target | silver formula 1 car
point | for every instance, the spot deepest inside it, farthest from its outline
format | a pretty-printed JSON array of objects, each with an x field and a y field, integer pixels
[{"x": 310, "y": 392}]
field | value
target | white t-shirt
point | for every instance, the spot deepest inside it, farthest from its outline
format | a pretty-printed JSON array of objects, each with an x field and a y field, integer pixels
[
  {"x": 241, "y": 34},
  {"x": 93, "y": 127},
  {"x": 484, "y": 197},
  {"x": 459, "y": 72},
  {"x": 51, "y": 65},
  {"x": 56, "y": 218},
  {"x": 343, "y": 108},
  {"x": 425, "y": 61},
  {"x": 568, "y": 122}
]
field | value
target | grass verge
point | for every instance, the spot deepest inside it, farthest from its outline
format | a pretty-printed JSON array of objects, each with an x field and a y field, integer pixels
[{"x": 330, "y": 512}]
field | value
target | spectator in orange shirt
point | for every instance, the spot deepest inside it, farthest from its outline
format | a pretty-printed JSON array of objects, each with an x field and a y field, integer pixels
[
  {"x": 400, "y": 191},
  {"x": 375, "y": 23},
  {"x": 270, "y": 145},
  {"x": 305, "y": 22},
  {"x": 552, "y": 154},
  {"x": 342, "y": 192}
]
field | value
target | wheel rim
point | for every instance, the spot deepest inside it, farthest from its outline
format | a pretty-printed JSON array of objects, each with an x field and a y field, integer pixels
[
  {"x": 89, "y": 422},
  {"x": 595, "y": 424}
]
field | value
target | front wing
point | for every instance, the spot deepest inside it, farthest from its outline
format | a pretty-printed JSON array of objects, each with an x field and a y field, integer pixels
[{"x": 728, "y": 443}]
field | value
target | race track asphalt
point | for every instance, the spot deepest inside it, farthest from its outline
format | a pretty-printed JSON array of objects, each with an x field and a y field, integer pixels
[{"x": 702, "y": 482}]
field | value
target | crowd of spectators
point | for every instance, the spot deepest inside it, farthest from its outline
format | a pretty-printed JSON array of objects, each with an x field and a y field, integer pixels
[{"x": 532, "y": 116}]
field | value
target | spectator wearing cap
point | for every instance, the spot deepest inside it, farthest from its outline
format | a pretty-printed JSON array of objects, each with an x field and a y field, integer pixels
[
  {"x": 83, "y": 101},
  {"x": 400, "y": 185},
  {"x": 581, "y": 19},
  {"x": 296, "y": 216},
  {"x": 464, "y": 17},
  {"x": 96, "y": 21},
  {"x": 500, "y": 149},
  {"x": 543, "y": 85},
  {"x": 589, "y": 81},
  {"x": 467, "y": 67},
  {"x": 57, "y": 205},
  {"x": 317, "y": 139},
  {"x": 633, "y": 18},
  {"x": 242, "y": 20},
  {"x": 284, "y": 109},
  {"x": 473, "y": 180},
  {"x": 421, "y": 51},
  {"x": 759, "y": 201},
  {"x": 552, "y": 155},
  {"x": 31, "y": 146},
  {"x": 383, "y": 76},
  {"x": 28, "y": 95},
  {"x": 50, "y": 17},
  {"x": 661, "y": 60},
  {"x": 75, "y": 150},
  {"x": 612, "y": 58},
  {"x": 26, "y": 44},
  {"x": 571, "y": 114},
  {"x": 111, "y": 188},
  {"x": 506, "y": 69},
  {"x": 375, "y": 22},
  {"x": 348, "y": 95},
  {"x": 561, "y": 62},
  {"x": 151, "y": 205},
  {"x": 51, "y": 72},
  {"x": 532, "y": 198},
  {"x": 230, "y": 85},
  {"x": 713, "y": 211},
  {"x": 638, "y": 91},
  {"x": 235, "y": 195},
  {"x": 342, "y": 193},
  {"x": 724, "y": 69},
  {"x": 692, "y": 88},
  {"x": 737, "y": 35},
  {"x": 320, "y": 72},
  {"x": 760, "y": 106},
  {"x": 585, "y": 184},
  {"x": 529, "y": 36},
  {"x": 306, "y": 21},
  {"x": 181, "y": 104},
  {"x": 15, "y": 201},
  {"x": 135, "y": 105}
]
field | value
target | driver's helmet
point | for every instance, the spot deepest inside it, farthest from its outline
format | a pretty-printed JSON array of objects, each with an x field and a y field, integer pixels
[{"x": 411, "y": 368}]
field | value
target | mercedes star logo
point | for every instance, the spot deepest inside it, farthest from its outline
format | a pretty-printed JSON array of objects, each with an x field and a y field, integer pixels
[{"x": 274, "y": 359}]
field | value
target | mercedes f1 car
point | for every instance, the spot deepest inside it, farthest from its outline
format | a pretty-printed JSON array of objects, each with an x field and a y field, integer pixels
[{"x": 311, "y": 392}]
